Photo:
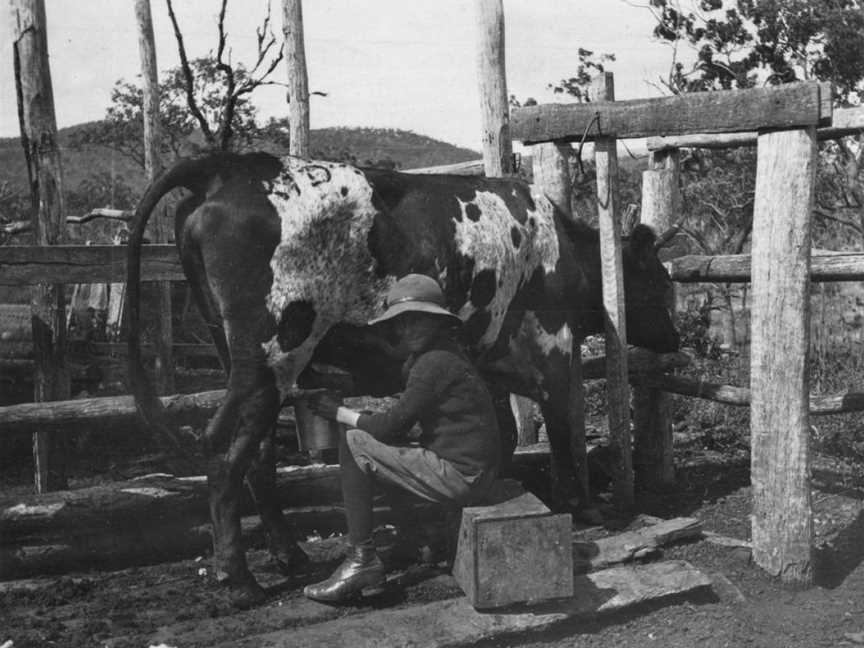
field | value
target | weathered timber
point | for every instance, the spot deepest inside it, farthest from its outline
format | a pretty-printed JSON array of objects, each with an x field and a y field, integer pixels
[
  {"x": 111, "y": 411},
  {"x": 163, "y": 335},
  {"x": 735, "y": 268},
  {"x": 492, "y": 79},
  {"x": 653, "y": 458},
  {"x": 611, "y": 266},
  {"x": 723, "y": 111},
  {"x": 191, "y": 408},
  {"x": 782, "y": 527},
  {"x": 848, "y": 401},
  {"x": 632, "y": 545},
  {"x": 298, "y": 80},
  {"x": 32, "y": 264},
  {"x": 16, "y": 227},
  {"x": 551, "y": 173},
  {"x": 844, "y": 121},
  {"x": 639, "y": 361},
  {"x": 454, "y": 622},
  {"x": 45, "y": 173},
  {"x": 470, "y": 168}
]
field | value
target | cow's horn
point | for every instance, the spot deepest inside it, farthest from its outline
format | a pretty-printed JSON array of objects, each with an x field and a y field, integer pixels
[{"x": 666, "y": 236}]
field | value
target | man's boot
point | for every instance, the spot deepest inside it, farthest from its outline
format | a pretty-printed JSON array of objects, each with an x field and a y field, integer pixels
[{"x": 361, "y": 568}]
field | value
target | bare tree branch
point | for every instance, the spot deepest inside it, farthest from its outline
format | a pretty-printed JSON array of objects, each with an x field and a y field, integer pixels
[
  {"x": 832, "y": 216},
  {"x": 189, "y": 79}
]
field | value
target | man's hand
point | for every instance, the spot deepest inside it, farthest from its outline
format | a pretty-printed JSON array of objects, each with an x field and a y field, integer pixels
[{"x": 324, "y": 405}]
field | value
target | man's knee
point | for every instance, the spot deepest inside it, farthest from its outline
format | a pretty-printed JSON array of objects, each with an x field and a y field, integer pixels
[{"x": 359, "y": 443}]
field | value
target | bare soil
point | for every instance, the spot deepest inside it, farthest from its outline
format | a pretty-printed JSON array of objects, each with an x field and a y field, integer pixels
[{"x": 180, "y": 604}]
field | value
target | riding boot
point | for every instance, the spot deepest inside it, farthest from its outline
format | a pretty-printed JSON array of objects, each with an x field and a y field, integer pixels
[{"x": 361, "y": 568}]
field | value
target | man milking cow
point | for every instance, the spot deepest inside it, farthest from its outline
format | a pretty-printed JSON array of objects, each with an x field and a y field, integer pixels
[
  {"x": 459, "y": 451},
  {"x": 290, "y": 259}
]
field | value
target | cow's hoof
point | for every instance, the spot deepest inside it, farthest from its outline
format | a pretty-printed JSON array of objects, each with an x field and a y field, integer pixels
[{"x": 247, "y": 595}]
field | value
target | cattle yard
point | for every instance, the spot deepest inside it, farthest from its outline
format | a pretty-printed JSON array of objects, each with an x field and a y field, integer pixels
[{"x": 153, "y": 530}]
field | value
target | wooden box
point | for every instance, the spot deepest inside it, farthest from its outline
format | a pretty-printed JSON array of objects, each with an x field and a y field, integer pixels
[{"x": 514, "y": 552}]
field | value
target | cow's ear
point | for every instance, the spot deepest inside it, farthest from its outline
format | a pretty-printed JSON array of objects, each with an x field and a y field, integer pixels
[{"x": 642, "y": 240}]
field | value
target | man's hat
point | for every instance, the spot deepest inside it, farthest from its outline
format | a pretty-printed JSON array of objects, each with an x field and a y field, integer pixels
[{"x": 414, "y": 293}]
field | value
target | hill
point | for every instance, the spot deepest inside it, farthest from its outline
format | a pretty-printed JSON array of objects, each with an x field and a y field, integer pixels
[{"x": 366, "y": 145}]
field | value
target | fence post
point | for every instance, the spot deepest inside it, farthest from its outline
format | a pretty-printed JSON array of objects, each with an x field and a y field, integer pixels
[
  {"x": 39, "y": 138},
  {"x": 609, "y": 221},
  {"x": 152, "y": 167},
  {"x": 779, "y": 408},
  {"x": 653, "y": 458},
  {"x": 497, "y": 146},
  {"x": 298, "y": 82}
]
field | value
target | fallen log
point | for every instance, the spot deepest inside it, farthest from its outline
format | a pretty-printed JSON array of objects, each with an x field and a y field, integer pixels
[
  {"x": 632, "y": 545},
  {"x": 155, "y": 517},
  {"x": 117, "y": 411},
  {"x": 848, "y": 401},
  {"x": 191, "y": 409}
]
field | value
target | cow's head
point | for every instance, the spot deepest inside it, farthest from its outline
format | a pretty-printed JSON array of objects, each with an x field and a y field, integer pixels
[
  {"x": 648, "y": 294},
  {"x": 323, "y": 271}
]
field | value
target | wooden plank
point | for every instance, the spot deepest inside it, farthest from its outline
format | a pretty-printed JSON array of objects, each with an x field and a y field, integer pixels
[
  {"x": 31, "y": 264},
  {"x": 632, "y": 545},
  {"x": 470, "y": 168},
  {"x": 782, "y": 528},
  {"x": 492, "y": 78},
  {"x": 611, "y": 263},
  {"x": 735, "y": 268},
  {"x": 844, "y": 121},
  {"x": 454, "y": 622},
  {"x": 45, "y": 172},
  {"x": 723, "y": 111}
]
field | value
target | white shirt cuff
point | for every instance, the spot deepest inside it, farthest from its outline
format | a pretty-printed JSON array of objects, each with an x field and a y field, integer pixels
[{"x": 347, "y": 416}]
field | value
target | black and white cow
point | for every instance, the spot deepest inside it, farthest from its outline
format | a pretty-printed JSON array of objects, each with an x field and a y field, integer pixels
[{"x": 290, "y": 258}]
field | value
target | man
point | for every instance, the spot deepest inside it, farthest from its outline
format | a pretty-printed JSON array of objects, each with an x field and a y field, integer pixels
[{"x": 459, "y": 451}]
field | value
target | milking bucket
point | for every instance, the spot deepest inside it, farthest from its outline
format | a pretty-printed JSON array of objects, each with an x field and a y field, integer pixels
[{"x": 314, "y": 432}]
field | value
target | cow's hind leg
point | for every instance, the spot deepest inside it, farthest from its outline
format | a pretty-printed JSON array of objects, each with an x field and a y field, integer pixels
[
  {"x": 233, "y": 438},
  {"x": 261, "y": 479}
]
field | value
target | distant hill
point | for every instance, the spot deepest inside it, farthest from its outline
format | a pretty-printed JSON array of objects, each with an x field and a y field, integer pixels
[{"x": 366, "y": 145}]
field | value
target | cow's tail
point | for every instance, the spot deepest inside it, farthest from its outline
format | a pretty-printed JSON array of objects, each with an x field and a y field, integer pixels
[{"x": 196, "y": 175}]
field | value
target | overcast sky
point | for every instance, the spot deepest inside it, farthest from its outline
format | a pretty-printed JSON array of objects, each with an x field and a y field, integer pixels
[{"x": 384, "y": 63}]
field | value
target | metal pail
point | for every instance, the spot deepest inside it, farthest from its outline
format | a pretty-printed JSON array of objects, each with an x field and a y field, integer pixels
[{"x": 314, "y": 432}]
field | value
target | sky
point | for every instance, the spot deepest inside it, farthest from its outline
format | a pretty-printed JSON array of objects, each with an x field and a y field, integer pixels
[{"x": 407, "y": 64}]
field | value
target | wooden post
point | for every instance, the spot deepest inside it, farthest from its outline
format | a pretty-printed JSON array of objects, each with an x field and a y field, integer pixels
[
  {"x": 653, "y": 459},
  {"x": 551, "y": 166},
  {"x": 779, "y": 419},
  {"x": 39, "y": 138},
  {"x": 298, "y": 83},
  {"x": 152, "y": 167},
  {"x": 617, "y": 387},
  {"x": 497, "y": 147}
]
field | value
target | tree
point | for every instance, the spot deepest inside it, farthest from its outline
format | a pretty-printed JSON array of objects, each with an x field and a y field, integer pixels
[{"x": 210, "y": 95}]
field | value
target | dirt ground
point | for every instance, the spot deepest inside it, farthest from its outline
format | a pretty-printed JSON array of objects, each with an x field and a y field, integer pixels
[{"x": 179, "y": 604}]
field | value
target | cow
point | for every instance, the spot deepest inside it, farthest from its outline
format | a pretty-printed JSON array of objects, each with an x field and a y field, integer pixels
[{"x": 288, "y": 259}]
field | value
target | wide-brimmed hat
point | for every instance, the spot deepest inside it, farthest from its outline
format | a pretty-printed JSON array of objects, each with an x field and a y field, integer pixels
[{"x": 414, "y": 293}]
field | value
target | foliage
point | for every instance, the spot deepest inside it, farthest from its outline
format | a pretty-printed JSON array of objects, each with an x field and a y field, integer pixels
[
  {"x": 590, "y": 64},
  {"x": 741, "y": 43},
  {"x": 122, "y": 130}
]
